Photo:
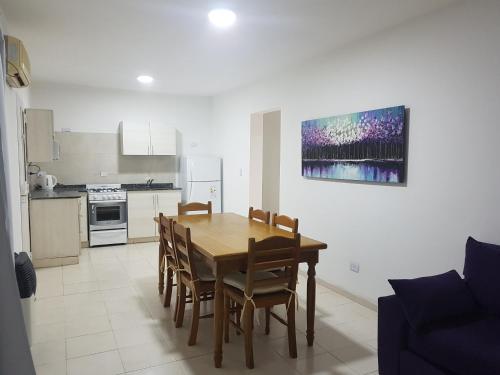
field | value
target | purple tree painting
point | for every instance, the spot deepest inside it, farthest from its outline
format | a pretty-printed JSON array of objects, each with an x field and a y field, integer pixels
[{"x": 363, "y": 146}]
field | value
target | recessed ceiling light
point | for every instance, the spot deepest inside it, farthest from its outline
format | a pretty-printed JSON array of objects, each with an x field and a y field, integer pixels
[
  {"x": 145, "y": 79},
  {"x": 222, "y": 17}
]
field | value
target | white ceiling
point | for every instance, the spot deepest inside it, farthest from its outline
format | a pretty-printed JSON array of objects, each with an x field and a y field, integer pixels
[{"x": 107, "y": 43}]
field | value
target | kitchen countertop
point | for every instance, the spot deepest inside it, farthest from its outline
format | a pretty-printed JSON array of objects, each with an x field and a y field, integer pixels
[
  {"x": 55, "y": 194},
  {"x": 76, "y": 191},
  {"x": 81, "y": 188},
  {"x": 146, "y": 187}
]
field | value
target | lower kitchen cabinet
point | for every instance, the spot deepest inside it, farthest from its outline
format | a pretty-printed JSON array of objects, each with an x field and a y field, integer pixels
[
  {"x": 55, "y": 231},
  {"x": 143, "y": 206},
  {"x": 84, "y": 235},
  {"x": 167, "y": 202}
]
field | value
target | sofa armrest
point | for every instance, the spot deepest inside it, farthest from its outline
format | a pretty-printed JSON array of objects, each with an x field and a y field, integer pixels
[{"x": 392, "y": 334}]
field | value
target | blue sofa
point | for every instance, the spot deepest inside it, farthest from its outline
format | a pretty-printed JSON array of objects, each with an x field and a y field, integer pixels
[{"x": 460, "y": 345}]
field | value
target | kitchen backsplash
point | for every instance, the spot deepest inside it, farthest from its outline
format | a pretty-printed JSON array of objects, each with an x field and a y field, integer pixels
[{"x": 95, "y": 158}]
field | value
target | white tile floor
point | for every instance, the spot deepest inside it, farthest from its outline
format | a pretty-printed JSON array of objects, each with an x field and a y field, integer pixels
[{"x": 104, "y": 316}]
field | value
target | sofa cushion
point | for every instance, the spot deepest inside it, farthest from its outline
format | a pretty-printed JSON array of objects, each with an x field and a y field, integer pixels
[
  {"x": 413, "y": 364},
  {"x": 481, "y": 271},
  {"x": 464, "y": 349},
  {"x": 431, "y": 299}
]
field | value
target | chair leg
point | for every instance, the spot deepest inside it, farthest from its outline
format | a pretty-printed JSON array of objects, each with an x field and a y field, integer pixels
[
  {"x": 238, "y": 317},
  {"x": 247, "y": 327},
  {"x": 177, "y": 299},
  {"x": 182, "y": 305},
  {"x": 195, "y": 320},
  {"x": 292, "y": 339},
  {"x": 168, "y": 288},
  {"x": 268, "y": 319},
  {"x": 227, "y": 307}
]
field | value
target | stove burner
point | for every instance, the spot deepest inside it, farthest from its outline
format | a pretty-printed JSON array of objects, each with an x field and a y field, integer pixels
[{"x": 105, "y": 190}]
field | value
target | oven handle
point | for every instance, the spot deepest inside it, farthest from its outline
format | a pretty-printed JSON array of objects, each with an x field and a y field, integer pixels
[{"x": 117, "y": 201}]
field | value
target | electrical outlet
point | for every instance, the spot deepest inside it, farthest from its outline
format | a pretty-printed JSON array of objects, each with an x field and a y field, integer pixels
[{"x": 355, "y": 267}]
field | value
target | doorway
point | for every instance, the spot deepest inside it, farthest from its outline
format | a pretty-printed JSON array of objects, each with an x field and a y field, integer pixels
[{"x": 265, "y": 140}]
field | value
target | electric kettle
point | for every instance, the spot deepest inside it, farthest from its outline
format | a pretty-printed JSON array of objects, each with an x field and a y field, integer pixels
[{"x": 46, "y": 181}]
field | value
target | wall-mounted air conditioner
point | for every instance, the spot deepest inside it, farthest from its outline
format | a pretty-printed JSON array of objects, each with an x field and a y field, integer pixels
[{"x": 18, "y": 63}]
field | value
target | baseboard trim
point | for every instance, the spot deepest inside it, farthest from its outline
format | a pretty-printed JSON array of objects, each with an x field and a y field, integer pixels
[
  {"x": 54, "y": 262},
  {"x": 143, "y": 239},
  {"x": 362, "y": 301}
]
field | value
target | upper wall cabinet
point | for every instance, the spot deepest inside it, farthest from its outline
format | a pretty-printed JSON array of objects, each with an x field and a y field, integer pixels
[
  {"x": 39, "y": 135},
  {"x": 147, "y": 139},
  {"x": 135, "y": 138}
]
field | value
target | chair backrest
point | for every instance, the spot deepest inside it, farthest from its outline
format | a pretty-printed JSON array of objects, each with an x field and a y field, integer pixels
[
  {"x": 185, "y": 208},
  {"x": 166, "y": 234},
  {"x": 264, "y": 216},
  {"x": 286, "y": 221},
  {"x": 183, "y": 249},
  {"x": 271, "y": 253}
]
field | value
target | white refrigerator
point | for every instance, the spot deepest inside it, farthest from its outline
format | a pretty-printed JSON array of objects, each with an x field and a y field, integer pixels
[{"x": 201, "y": 180}]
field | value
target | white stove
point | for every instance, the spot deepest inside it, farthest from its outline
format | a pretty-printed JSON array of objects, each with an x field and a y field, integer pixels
[
  {"x": 107, "y": 208},
  {"x": 106, "y": 192}
]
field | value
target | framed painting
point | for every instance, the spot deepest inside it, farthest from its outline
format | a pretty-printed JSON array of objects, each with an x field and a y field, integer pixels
[{"x": 364, "y": 146}]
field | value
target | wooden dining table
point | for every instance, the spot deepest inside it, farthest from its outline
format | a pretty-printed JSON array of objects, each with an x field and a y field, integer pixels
[{"x": 222, "y": 239}]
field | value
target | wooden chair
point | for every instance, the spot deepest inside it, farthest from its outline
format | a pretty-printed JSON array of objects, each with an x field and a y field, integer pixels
[
  {"x": 293, "y": 225},
  {"x": 185, "y": 208},
  {"x": 193, "y": 275},
  {"x": 264, "y": 216},
  {"x": 169, "y": 263},
  {"x": 286, "y": 221},
  {"x": 259, "y": 288}
]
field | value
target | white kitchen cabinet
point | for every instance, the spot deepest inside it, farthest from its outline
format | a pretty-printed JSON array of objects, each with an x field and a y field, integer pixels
[
  {"x": 147, "y": 139},
  {"x": 163, "y": 140},
  {"x": 39, "y": 135},
  {"x": 135, "y": 138},
  {"x": 84, "y": 236},
  {"x": 141, "y": 211},
  {"x": 143, "y": 206},
  {"x": 167, "y": 201}
]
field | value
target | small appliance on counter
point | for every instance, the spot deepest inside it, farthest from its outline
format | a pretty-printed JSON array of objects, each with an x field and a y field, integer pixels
[
  {"x": 45, "y": 181},
  {"x": 107, "y": 211}
]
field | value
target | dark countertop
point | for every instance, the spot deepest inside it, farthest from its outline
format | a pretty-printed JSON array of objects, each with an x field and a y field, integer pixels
[
  {"x": 81, "y": 188},
  {"x": 146, "y": 187},
  {"x": 55, "y": 194},
  {"x": 76, "y": 191}
]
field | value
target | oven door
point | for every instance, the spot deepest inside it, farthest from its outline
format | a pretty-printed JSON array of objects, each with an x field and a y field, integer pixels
[{"x": 107, "y": 215}]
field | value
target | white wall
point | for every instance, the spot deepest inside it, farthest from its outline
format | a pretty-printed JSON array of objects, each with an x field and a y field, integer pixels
[
  {"x": 14, "y": 99},
  {"x": 445, "y": 67},
  {"x": 87, "y": 109},
  {"x": 271, "y": 122}
]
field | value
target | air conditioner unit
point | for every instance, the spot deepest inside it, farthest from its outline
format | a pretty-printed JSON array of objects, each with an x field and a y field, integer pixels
[{"x": 18, "y": 63}]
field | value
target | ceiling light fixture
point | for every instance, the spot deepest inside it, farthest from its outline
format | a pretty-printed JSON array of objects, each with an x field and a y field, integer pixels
[
  {"x": 222, "y": 18},
  {"x": 145, "y": 79}
]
